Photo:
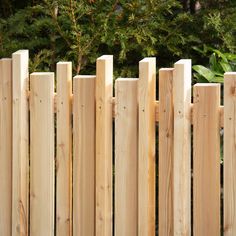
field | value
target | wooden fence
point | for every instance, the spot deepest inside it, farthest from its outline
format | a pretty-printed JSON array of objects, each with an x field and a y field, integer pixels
[{"x": 64, "y": 170}]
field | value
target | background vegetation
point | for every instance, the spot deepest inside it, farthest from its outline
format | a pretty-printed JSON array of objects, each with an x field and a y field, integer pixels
[{"x": 83, "y": 30}]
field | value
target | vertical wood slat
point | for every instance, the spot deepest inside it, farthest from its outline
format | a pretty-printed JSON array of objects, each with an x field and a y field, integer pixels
[
  {"x": 5, "y": 146},
  {"x": 126, "y": 158},
  {"x": 146, "y": 143},
  {"x": 64, "y": 150},
  {"x": 182, "y": 147},
  {"x": 42, "y": 162},
  {"x": 166, "y": 151},
  {"x": 84, "y": 156},
  {"x": 229, "y": 154},
  {"x": 206, "y": 160},
  {"x": 20, "y": 143},
  {"x": 104, "y": 80}
]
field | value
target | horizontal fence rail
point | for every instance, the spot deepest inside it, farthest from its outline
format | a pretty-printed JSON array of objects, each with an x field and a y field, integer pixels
[{"x": 79, "y": 156}]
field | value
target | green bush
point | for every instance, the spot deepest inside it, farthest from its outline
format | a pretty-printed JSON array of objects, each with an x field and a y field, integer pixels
[
  {"x": 219, "y": 63},
  {"x": 81, "y": 31}
]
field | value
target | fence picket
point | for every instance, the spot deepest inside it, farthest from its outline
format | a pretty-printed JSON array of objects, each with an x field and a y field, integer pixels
[
  {"x": 166, "y": 149},
  {"x": 42, "y": 164},
  {"x": 206, "y": 160},
  {"x": 104, "y": 81},
  {"x": 229, "y": 154},
  {"x": 146, "y": 146},
  {"x": 84, "y": 156},
  {"x": 5, "y": 146},
  {"x": 126, "y": 158},
  {"x": 64, "y": 150},
  {"x": 20, "y": 143},
  {"x": 182, "y": 147}
]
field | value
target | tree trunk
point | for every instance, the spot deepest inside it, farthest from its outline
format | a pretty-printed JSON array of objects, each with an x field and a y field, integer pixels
[
  {"x": 5, "y": 8},
  {"x": 185, "y": 4},
  {"x": 192, "y": 6}
]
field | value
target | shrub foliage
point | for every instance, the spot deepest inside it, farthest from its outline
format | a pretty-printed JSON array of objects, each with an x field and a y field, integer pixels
[{"x": 83, "y": 30}]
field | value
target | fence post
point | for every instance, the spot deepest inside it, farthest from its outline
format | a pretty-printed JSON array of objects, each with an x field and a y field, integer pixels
[
  {"x": 182, "y": 147},
  {"x": 126, "y": 157},
  {"x": 5, "y": 146},
  {"x": 146, "y": 147},
  {"x": 206, "y": 159},
  {"x": 229, "y": 154},
  {"x": 64, "y": 150},
  {"x": 104, "y": 81},
  {"x": 42, "y": 164},
  {"x": 20, "y": 143},
  {"x": 166, "y": 151},
  {"x": 84, "y": 156}
]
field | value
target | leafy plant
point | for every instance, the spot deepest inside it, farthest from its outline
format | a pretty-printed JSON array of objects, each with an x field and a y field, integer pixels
[
  {"x": 219, "y": 63},
  {"x": 81, "y": 31}
]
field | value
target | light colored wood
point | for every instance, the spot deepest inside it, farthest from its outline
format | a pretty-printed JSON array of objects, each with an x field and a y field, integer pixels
[
  {"x": 104, "y": 81},
  {"x": 229, "y": 154},
  {"x": 5, "y": 146},
  {"x": 64, "y": 150},
  {"x": 206, "y": 160},
  {"x": 84, "y": 156},
  {"x": 156, "y": 109},
  {"x": 166, "y": 152},
  {"x": 146, "y": 149},
  {"x": 182, "y": 146},
  {"x": 20, "y": 143},
  {"x": 157, "y": 118},
  {"x": 42, "y": 164},
  {"x": 126, "y": 157}
]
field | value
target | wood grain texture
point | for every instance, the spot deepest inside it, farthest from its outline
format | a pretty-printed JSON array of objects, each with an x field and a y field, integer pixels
[
  {"x": 64, "y": 150},
  {"x": 146, "y": 147},
  {"x": 126, "y": 157},
  {"x": 42, "y": 164},
  {"x": 104, "y": 81},
  {"x": 5, "y": 146},
  {"x": 229, "y": 154},
  {"x": 20, "y": 143},
  {"x": 166, "y": 152},
  {"x": 84, "y": 156},
  {"x": 206, "y": 160},
  {"x": 182, "y": 146},
  {"x": 157, "y": 112}
]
